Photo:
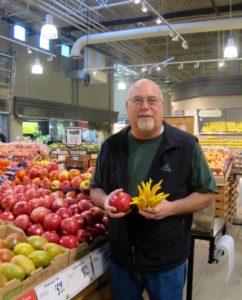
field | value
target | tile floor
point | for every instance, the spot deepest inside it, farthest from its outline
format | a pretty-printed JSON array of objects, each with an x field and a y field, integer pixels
[{"x": 209, "y": 279}]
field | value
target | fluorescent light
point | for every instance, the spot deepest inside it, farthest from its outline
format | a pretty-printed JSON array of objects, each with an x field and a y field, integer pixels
[
  {"x": 230, "y": 50},
  {"x": 65, "y": 50},
  {"x": 37, "y": 67},
  {"x": 49, "y": 30},
  {"x": 121, "y": 85},
  {"x": 44, "y": 43},
  {"x": 19, "y": 33}
]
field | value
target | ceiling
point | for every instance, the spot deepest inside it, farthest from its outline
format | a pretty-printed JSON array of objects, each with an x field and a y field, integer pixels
[{"x": 75, "y": 18}]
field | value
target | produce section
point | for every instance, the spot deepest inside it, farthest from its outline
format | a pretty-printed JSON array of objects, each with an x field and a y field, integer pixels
[{"x": 49, "y": 217}]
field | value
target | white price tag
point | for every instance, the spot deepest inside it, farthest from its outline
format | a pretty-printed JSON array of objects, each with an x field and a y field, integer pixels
[
  {"x": 54, "y": 288},
  {"x": 67, "y": 283},
  {"x": 79, "y": 276},
  {"x": 100, "y": 260}
]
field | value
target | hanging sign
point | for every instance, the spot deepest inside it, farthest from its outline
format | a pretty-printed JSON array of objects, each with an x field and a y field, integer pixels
[{"x": 73, "y": 135}]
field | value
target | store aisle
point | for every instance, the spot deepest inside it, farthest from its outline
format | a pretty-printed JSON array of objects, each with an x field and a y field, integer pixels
[{"x": 209, "y": 279}]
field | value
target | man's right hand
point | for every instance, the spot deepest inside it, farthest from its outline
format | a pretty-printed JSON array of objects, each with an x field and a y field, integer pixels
[{"x": 110, "y": 210}]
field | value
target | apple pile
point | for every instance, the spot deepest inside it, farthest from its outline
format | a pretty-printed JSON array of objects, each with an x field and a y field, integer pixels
[
  {"x": 49, "y": 176},
  {"x": 218, "y": 160},
  {"x": 66, "y": 218},
  {"x": 20, "y": 255}
]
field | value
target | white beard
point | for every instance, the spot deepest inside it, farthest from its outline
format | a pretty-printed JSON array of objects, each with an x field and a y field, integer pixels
[{"x": 146, "y": 124}]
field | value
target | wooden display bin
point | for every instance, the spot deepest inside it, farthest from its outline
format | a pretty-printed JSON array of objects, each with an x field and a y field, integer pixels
[{"x": 226, "y": 199}]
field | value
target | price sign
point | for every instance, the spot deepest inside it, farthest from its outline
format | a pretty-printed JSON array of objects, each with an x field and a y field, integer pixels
[
  {"x": 100, "y": 260},
  {"x": 80, "y": 275},
  {"x": 67, "y": 283},
  {"x": 54, "y": 288}
]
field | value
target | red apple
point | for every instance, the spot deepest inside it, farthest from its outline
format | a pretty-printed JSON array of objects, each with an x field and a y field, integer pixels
[
  {"x": 35, "y": 202},
  {"x": 55, "y": 184},
  {"x": 68, "y": 241},
  {"x": 94, "y": 232},
  {"x": 64, "y": 212},
  {"x": 84, "y": 205},
  {"x": 31, "y": 193},
  {"x": 37, "y": 181},
  {"x": 35, "y": 229},
  {"x": 51, "y": 236},
  {"x": 89, "y": 219},
  {"x": 53, "y": 175},
  {"x": 85, "y": 184},
  {"x": 74, "y": 172},
  {"x": 91, "y": 170},
  {"x": 69, "y": 226},
  {"x": 71, "y": 194},
  {"x": 83, "y": 236},
  {"x": 51, "y": 166},
  {"x": 8, "y": 202},
  {"x": 23, "y": 221},
  {"x": 120, "y": 201},
  {"x": 7, "y": 216},
  {"x": 65, "y": 184},
  {"x": 98, "y": 214},
  {"x": 63, "y": 175},
  {"x": 43, "y": 173},
  {"x": 42, "y": 192},
  {"x": 46, "y": 201},
  {"x": 86, "y": 176},
  {"x": 46, "y": 183},
  {"x": 58, "y": 203},
  {"x": 76, "y": 181},
  {"x": 82, "y": 195},
  {"x": 79, "y": 220},
  {"x": 22, "y": 207},
  {"x": 74, "y": 209},
  {"x": 101, "y": 228},
  {"x": 71, "y": 200},
  {"x": 33, "y": 173},
  {"x": 51, "y": 221},
  {"x": 38, "y": 214}
]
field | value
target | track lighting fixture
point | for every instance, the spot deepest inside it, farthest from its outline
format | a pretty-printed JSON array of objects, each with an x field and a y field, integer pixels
[{"x": 37, "y": 67}]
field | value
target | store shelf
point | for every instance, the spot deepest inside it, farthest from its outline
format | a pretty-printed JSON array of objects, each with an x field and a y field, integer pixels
[{"x": 73, "y": 280}]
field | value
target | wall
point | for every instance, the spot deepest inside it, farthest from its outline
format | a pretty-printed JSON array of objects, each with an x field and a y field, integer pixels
[{"x": 53, "y": 85}]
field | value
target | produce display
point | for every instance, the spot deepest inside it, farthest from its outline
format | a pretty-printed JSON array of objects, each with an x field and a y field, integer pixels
[
  {"x": 218, "y": 160},
  {"x": 149, "y": 196},
  {"x": 85, "y": 146},
  {"x": 20, "y": 151},
  {"x": 221, "y": 126},
  {"x": 21, "y": 255},
  {"x": 222, "y": 142}
]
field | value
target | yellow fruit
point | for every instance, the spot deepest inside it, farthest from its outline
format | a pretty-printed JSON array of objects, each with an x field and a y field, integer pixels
[
  {"x": 36, "y": 241},
  {"x": 24, "y": 262},
  {"x": 11, "y": 271},
  {"x": 40, "y": 258},
  {"x": 23, "y": 248},
  {"x": 53, "y": 249}
]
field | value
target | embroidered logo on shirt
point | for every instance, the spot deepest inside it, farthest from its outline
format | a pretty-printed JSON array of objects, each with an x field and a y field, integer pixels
[{"x": 166, "y": 167}]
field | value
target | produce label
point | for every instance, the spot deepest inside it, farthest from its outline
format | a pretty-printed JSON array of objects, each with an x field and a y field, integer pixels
[
  {"x": 73, "y": 136},
  {"x": 100, "y": 260}
]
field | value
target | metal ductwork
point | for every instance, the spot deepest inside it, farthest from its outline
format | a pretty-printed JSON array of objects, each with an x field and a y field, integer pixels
[{"x": 153, "y": 31}]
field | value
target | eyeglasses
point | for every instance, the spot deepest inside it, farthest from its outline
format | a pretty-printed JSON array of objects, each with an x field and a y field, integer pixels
[{"x": 151, "y": 101}]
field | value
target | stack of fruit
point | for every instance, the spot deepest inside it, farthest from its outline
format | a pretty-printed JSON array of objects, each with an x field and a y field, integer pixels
[
  {"x": 218, "y": 160},
  {"x": 221, "y": 126},
  {"x": 20, "y": 255},
  {"x": 67, "y": 218}
]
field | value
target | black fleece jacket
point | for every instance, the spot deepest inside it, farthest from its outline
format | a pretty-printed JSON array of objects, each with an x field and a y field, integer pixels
[{"x": 141, "y": 244}]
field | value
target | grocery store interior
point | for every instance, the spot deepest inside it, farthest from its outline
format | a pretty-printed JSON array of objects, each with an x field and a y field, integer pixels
[{"x": 65, "y": 70}]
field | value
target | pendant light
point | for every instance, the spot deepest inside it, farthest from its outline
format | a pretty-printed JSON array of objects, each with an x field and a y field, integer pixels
[
  {"x": 49, "y": 30},
  {"x": 37, "y": 67},
  {"x": 230, "y": 50}
]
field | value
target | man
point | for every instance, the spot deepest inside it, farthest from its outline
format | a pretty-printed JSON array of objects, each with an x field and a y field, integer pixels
[{"x": 149, "y": 248}]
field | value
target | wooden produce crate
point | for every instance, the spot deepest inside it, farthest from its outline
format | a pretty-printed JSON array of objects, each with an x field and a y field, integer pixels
[
  {"x": 226, "y": 199},
  {"x": 80, "y": 162},
  {"x": 221, "y": 180}
]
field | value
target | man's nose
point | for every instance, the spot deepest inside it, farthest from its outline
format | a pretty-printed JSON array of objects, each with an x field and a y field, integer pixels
[{"x": 145, "y": 104}]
